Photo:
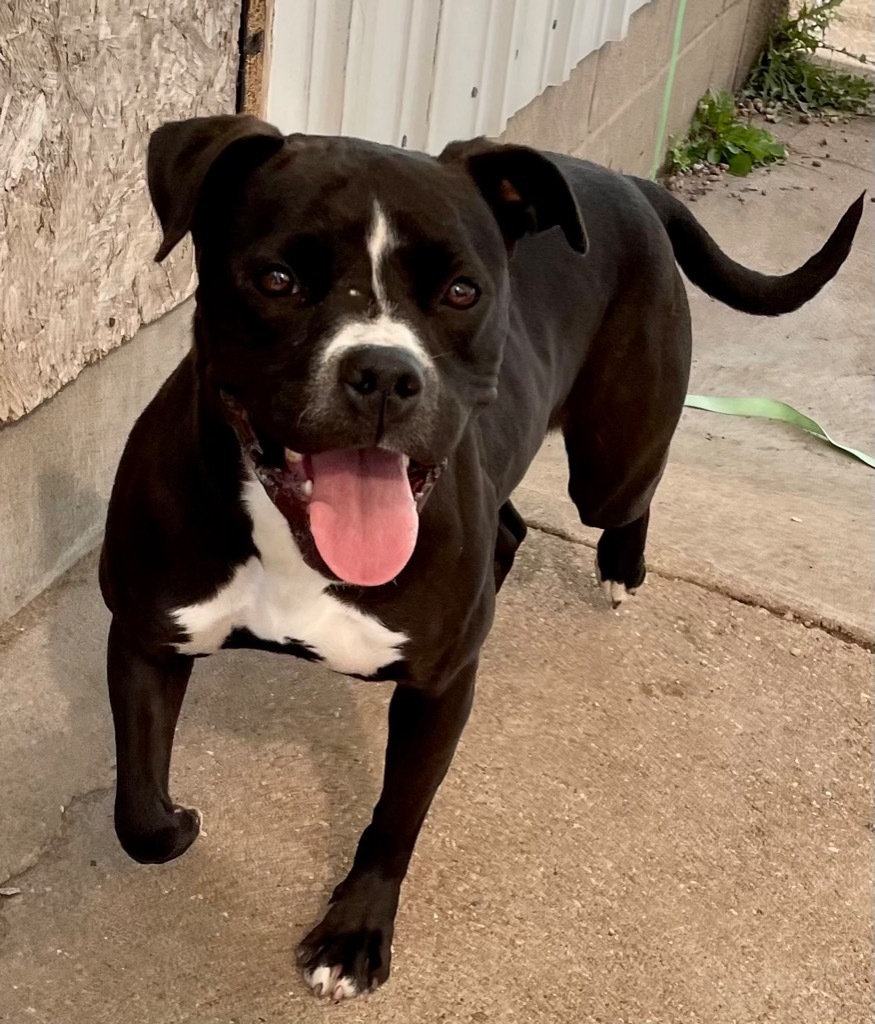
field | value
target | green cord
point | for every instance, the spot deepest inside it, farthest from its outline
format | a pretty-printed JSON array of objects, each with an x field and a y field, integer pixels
[{"x": 669, "y": 85}]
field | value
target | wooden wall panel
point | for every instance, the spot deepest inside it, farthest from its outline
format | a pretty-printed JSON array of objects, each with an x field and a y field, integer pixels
[{"x": 82, "y": 83}]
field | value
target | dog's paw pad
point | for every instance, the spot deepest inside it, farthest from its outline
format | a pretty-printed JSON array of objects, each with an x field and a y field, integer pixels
[{"x": 327, "y": 981}]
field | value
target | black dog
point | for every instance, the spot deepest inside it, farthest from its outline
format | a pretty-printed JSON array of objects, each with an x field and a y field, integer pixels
[{"x": 381, "y": 342}]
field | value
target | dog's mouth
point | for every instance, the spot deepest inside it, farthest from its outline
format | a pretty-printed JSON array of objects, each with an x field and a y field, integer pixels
[{"x": 361, "y": 505}]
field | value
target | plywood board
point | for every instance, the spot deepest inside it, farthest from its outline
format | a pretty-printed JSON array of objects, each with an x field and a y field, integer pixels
[{"x": 82, "y": 83}]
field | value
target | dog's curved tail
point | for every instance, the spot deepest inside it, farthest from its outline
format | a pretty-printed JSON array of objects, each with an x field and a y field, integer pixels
[{"x": 710, "y": 269}]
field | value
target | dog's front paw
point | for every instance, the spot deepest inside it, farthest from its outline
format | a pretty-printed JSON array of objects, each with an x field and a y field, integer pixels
[{"x": 349, "y": 952}]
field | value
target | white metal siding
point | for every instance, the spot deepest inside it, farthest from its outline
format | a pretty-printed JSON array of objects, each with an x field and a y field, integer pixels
[{"x": 420, "y": 73}]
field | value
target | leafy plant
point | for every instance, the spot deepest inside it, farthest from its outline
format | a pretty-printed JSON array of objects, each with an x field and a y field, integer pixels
[
  {"x": 717, "y": 136},
  {"x": 786, "y": 73}
]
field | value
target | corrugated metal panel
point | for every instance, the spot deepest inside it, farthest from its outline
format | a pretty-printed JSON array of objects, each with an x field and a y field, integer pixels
[
  {"x": 559, "y": 58},
  {"x": 423, "y": 72},
  {"x": 460, "y": 62},
  {"x": 412, "y": 129},
  {"x": 379, "y": 45},
  {"x": 525, "y": 68},
  {"x": 288, "y": 91},
  {"x": 328, "y": 61}
]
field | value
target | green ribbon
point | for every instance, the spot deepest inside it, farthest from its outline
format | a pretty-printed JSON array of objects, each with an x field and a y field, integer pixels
[
  {"x": 770, "y": 409},
  {"x": 669, "y": 85}
]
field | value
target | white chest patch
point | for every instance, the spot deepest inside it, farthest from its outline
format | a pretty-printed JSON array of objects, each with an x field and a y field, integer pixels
[{"x": 278, "y": 597}]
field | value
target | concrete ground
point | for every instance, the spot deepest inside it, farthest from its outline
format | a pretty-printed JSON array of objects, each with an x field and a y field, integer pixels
[
  {"x": 656, "y": 816},
  {"x": 853, "y": 31}
]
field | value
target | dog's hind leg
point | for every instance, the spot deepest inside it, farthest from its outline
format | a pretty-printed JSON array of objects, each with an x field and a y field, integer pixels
[
  {"x": 511, "y": 533},
  {"x": 146, "y": 697},
  {"x": 618, "y": 422},
  {"x": 619, "y": 563}
]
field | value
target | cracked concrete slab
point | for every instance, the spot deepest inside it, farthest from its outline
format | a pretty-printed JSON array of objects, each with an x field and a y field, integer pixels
[
  {"x": 656, "y": 815},
  {"x": 667, "y": 809}
]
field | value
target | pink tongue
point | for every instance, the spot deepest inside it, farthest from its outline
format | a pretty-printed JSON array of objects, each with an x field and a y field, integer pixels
[{"x": 362, "y": 514}]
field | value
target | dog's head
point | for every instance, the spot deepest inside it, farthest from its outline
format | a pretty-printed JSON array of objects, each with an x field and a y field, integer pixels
[{"x": 352, "y": 308}]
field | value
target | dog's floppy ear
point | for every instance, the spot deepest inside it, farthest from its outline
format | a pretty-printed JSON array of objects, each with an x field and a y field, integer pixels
[
  {"x": 527, "y": 192},
  {"x": 181, "y": 155}
]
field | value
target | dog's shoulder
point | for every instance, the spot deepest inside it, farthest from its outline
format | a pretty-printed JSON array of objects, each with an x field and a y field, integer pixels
[{"x": 175, "y": 500}]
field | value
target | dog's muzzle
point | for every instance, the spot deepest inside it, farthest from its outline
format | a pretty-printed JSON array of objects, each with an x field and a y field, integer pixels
[{"x": 360, "y": 505}]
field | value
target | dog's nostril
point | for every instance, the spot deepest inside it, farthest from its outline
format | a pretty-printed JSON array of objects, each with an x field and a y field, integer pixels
[
  {"x": 408, "y": 385},
  {"x": 366, "y": 382}
]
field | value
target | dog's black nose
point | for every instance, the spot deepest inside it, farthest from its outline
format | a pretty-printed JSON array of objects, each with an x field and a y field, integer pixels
[{"x": 382, "y": 377}]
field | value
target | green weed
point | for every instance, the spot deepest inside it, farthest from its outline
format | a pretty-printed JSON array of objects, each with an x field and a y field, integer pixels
[
  {"x": 718, "y": 136},
  {"x": 786, "y": 74}
]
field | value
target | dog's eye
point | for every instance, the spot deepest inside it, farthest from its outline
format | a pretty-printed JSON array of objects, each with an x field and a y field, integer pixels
[
  {"x": 277, "y": 281},
  {"x": 462, "y": 294}
]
